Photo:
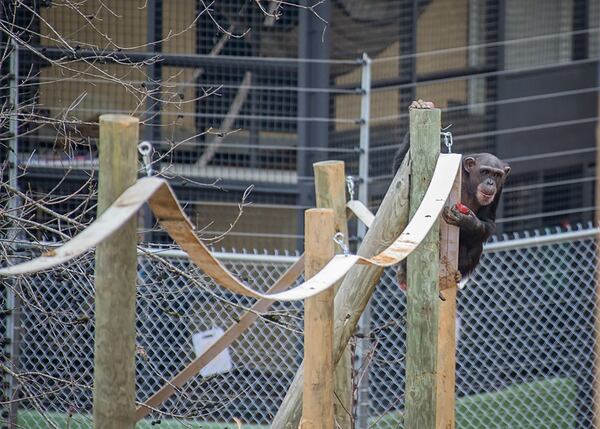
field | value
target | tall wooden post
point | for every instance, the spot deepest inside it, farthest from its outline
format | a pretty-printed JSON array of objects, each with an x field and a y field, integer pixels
[
  {"x": 116, "y": 268},
  {"x": 330, "y": 192},
  {"x": 317, "y": 409},
  {"x": 446, "y": 361},
  {"x": 423, "y": 280}
]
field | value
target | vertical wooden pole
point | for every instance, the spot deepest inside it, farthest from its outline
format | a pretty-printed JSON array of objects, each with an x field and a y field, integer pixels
[
  {"x": 317, "y": 408},
  {"x": 330, "y": 192},
  {"x": 357, "y": 287},
  {"x": 116, "y": 268},
  {"x": 423, "y": 280},
  {"x": 446, "y": 371}
]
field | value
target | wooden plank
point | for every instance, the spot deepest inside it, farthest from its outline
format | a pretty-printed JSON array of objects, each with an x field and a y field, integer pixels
[
  {"x": 423, "y": 280},
  {"x": 361, "y": 212},
  {"x": 317, "y": 410},
  {"x": 446, "y": 373},
  {"x": 330, "y": 192},
  {"x": 227, "y": 124},
  {"x": 116, "y": 271}
]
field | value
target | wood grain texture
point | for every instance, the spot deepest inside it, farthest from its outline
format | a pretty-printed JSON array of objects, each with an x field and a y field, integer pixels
[
  {"x": 357, "y": 287},
  {"x": 116, "y": 271},
  {"x": 317, "y": 406},
  {"x": 330, "y": 192},
  {"x": 446, "y": 371},
  {"x": 361, "y": 212},
  {"x": 423, "y": 278}
]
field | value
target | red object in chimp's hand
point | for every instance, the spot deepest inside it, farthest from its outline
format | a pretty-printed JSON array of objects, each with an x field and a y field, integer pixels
[{"x": 462, "y": 208}]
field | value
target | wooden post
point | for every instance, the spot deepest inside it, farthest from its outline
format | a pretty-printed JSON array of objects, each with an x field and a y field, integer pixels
[
  {"x": 317, "y": 410},
  {"x": 446, "y": 374},
  {"x": 330, "y": 191},
  {"x": 357, "y": 287},
  {"x": 423, "y": 280},
  {"x": 116, "y": 268}
]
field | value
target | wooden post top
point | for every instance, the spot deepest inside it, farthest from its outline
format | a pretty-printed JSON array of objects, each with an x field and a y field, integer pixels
[
  {"x": 424, "y": 116},
  {"x": 119, "y": 119},
  {"x": 328, "y": 163}
]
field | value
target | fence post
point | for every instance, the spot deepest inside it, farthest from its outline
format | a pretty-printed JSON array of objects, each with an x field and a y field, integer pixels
[
  {"x": 446, "y": 371},
  {"x": 363, "y": 160},
  {"x": 116, "y": 269},
  {"x": 12, "y": 303},
  {"x": 362, "y": 346},
  {"x": 423, "y": 280},
  {"x": 317, "y": 408},
  {"x": 330, "y": 192}
]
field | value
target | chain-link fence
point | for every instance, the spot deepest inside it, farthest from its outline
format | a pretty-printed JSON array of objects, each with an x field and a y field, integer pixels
[
  {"x": 526, "y": 338},
  {"x": 525, "y": 355}
]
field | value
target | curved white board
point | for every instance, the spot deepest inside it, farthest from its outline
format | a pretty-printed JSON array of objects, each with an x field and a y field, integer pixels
[{"x": 171, "y": 217}]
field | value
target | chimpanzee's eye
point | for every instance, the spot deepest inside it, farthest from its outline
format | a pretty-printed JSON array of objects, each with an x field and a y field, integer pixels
[{"x": 484, "y": 171}]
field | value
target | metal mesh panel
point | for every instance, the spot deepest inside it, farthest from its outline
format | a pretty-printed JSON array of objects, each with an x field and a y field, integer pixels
[
  {"x": 174, "y": 301},
  {"x": 525, "y": 354},
  {"x": 260, "y": 109}
]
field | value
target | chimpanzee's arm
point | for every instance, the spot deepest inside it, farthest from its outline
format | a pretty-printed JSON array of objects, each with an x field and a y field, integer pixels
[
  {"x": 469, "y": 224},
  {"x": 477, "y": 228}
]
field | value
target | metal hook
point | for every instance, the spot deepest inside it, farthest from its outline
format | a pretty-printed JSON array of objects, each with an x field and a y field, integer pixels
[
  {"x": 350, "y": 185},
  {"x": 448, "y": 140},
  {"x": 338, "y": 238},
  {"x": 145, "y": 149}
]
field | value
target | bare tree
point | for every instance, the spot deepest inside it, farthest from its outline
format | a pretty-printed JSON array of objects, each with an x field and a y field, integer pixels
[{"x": 105, "y": 46}]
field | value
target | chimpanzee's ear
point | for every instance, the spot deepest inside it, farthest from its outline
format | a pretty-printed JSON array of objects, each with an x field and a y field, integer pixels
[
  {"x": 468, "y": 163},
  {"x": 506, "y": 170}
]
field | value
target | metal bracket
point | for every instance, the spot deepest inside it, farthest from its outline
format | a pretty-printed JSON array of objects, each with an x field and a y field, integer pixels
[{"x": 145, "y": 149}]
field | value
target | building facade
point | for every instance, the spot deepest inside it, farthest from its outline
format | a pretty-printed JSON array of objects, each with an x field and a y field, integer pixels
[{"x": 232, "y": 97}]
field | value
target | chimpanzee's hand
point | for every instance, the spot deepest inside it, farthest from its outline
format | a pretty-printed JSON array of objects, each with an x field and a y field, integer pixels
[
  {"x": 453, "y": 216},
  {"x": 401, "y": 274},
  {"x": 420, "y": 104}
]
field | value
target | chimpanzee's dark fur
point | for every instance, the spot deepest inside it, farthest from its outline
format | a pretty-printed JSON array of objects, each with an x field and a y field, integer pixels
[{"x": 478, "y": 225}]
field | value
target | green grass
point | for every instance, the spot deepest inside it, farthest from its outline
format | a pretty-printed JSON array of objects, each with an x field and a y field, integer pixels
[
  {"x": 33, "y": 420},
  {"x": 546, "y": 404}
]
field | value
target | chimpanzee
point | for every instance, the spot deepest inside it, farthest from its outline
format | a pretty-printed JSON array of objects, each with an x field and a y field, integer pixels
[{"x": 483, "y": 177}]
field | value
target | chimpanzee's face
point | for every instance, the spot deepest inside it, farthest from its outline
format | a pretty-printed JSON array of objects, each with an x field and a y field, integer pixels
[{"x": 486, "y": 175}]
